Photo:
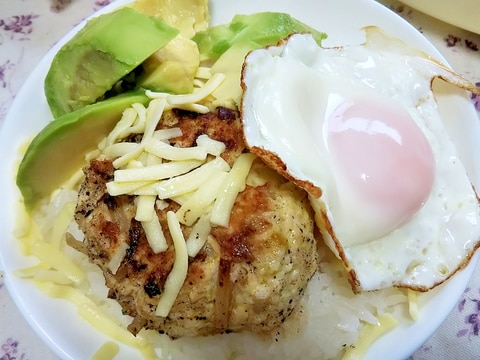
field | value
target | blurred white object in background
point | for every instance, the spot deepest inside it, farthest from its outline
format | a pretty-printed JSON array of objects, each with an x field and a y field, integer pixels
[{"x": 462, "y": 13}]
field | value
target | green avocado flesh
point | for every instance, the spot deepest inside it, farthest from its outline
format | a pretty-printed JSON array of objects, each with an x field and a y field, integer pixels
[
  {"x": 260, "y": 29},
  {"x": 171, "y": 69},
  {"x": 106, "y": 49},
  {"x": 59, "y": 149}
]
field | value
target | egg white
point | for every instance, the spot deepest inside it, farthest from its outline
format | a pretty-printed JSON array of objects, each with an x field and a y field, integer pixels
[{"x": 283, "y": 109}]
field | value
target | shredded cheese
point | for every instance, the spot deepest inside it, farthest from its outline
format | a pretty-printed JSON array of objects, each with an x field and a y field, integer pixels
[
  {"x": 203, "y": 73},
  {"x": 148, "y": 121},
  {"x": 150, "y": 160},
  {"x": 201, "y": 109},
  {"x": 154, "y": 114},
  {"x": 29, "y": 272},
  {"x": 119, "y": 149},
  {"x": 61, "y": 223},
  {"x": 197, "y": 203},
  {"x": 198, "y": 236},
  {"x": 369, "y": 334},
  {"x": 155, "y": 236},
  {"x": 118, "y": 257},
  {"x": 169, "y": 152},
  {"x": 182, "y": 199},
  {"x": 53, "y": 276},
  {"x": 184, "y": 183},
  {"x": 23, "y": 224},
  {"x": 122, "y": 129},
  {"x": 165, "y": 134},
  {"x": 121, "y": 188},
  {"x": 140, "y": 123},
  {"x": 56, "y": 259},
  {"x": 198, "y": 83},
  {"x": 233, "y": 184},
  {"x": 412, "y": 304},
  {"x": 76, "y": 178},
  {"x": 211, "y": 146},
  {"x": 129, "y": 156},
  {"x": 137, "y": 163},
  {"x": 196, "y": 177},
  {"x": 96, "y": 317},
  {"x": 177, "y": 275},
  {"x": 161, "y": 204},
  {"x": 195, "y": 97},
  {"x": 156, "y": 172},
  {"x": 145, "y": 207},
  {"x": 107, "y": 351}
]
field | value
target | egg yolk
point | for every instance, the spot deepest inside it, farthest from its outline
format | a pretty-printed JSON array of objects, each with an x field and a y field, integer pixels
[{"x": 382, "y": 162}]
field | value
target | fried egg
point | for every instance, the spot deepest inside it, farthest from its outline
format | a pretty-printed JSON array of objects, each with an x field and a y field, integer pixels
[{"x": 358, "y": 127}]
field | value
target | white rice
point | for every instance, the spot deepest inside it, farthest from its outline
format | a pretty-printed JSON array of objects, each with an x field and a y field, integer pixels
[{"x": 329, "y": 319}]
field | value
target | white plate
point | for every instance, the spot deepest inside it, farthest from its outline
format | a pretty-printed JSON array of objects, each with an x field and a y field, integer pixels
[
  {"x": 462, "y": 13},
  {"x": 56, "y": 320}
]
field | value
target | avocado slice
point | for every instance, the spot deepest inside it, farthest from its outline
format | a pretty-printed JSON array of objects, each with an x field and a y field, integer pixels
[
  {"x": 227, "y": 45},
  {"x": 188, "y": 16},
  {"x": 171, "y": 69},
  {"x": 262, "y": 29},
  {"x": 106, "y": 49},
  {"x": 59, "y": 149},
  {"x": 230, "y": 64}
]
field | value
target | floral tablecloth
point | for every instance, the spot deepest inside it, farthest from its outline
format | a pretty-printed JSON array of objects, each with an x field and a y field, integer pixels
[{"x": 28, "y": 28}]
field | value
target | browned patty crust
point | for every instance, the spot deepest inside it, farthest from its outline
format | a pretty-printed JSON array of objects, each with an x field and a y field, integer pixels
[{"x": 248, "y": 276}]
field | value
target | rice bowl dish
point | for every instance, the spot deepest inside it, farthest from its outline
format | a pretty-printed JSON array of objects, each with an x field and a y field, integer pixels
[{"x": 328, "y": 309}]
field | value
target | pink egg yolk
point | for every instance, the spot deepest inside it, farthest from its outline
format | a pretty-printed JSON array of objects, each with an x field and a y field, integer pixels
[{"x": 382, "y": 158}]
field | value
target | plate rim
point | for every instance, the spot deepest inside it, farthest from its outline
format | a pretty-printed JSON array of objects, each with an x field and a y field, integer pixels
[{"x": 460, "y": 280}]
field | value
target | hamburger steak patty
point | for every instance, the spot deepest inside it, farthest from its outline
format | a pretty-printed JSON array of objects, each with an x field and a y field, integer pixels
[{"x": 248, "y": 276}]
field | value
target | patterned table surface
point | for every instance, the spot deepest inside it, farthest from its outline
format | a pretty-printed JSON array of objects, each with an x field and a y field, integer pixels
[{"x": 28, "y": 28}]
